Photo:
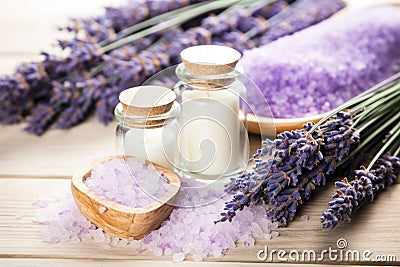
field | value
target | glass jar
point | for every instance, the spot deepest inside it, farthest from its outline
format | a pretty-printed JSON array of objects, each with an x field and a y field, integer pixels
[
  {"x": 212, "y": 140},
  {"x": 148, "y": 132}
]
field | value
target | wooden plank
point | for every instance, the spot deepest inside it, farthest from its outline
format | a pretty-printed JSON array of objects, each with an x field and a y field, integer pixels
[
  {"x": 374, "y": 228},
  {"x": 59, "y": 153},
  {"x": 31, "y": 26},
  {"x": 118, "y": 263}
]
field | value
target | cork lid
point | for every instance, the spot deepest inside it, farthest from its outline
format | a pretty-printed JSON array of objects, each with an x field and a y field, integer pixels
[
  {"x": 210, "y": 59},
  {"x": 147, "y": 100}
]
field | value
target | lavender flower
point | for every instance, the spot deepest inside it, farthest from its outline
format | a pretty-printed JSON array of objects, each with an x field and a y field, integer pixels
[
  {"x": 116, "y": 19},
  {"x": 20, "y": 90},
  {"x": 218, "y": 25},
  {"x": 191, "y": 37},
  {"x": 303, "y": 14},
  {"x": 235, "y": 39},
  {"x": 133, "y": 72},
  {"x": 272, "y": 9},
  {"x": 301, "y": 162},
  {"x": 41, "y": 117},
  {"x": 105, "y": 104},
  {"x": 352, "y": 195},
  {"x": 75, "y": 113},
  {"x": 83, "y": 56},
  {"x": 61, "y": 84}
]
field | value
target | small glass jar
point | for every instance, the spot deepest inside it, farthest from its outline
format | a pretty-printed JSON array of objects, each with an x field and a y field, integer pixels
[
  {"x": 212, "y": 140},
  {"x": 147, "y": 131}
]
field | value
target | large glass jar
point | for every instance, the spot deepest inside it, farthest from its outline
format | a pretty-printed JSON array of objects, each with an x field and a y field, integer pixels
[
  {"x": 146, "y": 127},
  {"x": 212, "y": 140}
]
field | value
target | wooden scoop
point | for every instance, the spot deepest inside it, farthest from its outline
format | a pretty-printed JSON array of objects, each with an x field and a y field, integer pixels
[{"x": 118, "y": 219}]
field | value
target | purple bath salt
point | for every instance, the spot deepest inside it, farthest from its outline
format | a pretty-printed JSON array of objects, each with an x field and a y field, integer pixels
[
  {"x": 189, "y": 232},
  {"x": 321, "y": 67},
  {"x": 131, "y": 183}
]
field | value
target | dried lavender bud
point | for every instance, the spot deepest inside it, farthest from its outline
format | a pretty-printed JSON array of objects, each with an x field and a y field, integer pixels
[
  {"x": 35, "y": 76},
  {"x": 272, "y": 9},
  {"x": 83, "y": 56},
  {"x": 133, "y": 72},
  {"x": 74, "y": 113},
  {"x": 258, "y": 24},
  {"x": 106, "y": 26},
  {"x": 28, "y": 83},
  {"x": 17, "y": 97},
  {"x": 105, "y": 104},
  {"x": 218, "y": 25},
  {"x": 235, "y": 39},
  {"x": 191, "y": 37},
  {"x": 115, "y": 19},
  {"x": 351, "y": 196},
  {"x": 41, "y": 117}
]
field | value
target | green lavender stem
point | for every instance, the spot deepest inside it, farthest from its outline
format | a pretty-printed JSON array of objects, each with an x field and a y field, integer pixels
[
  {"x": 378, "y": 106},
  {"x": 358, "y": 99},
  {"x": 396, "y": 133},
  {"x": 188, "y": 15},
  {"x": 152, "y": 21}
]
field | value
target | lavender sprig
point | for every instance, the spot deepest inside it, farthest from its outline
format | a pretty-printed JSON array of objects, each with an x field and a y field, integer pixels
[
  {"x": 41, "y": 117},
  {"x": 116, "y": 41},
  {"x": 303, "y": 14},
  {"x": 301, "y": 162},
  {"x": 351, "y": 196},
  {"x": 303, "y": 158}
]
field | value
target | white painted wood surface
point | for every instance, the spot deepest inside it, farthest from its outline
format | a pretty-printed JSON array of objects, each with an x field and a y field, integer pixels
[{"x": 31, "y": 166}]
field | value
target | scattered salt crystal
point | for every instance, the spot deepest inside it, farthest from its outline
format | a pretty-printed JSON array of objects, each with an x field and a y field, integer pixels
[
  {"x": 114, "y": 241},
  {"x": 178, "y": 257},
  {"x": 167, "y": 251},
  {"x": 75, "y": 239},
  {"x": 188, "y": 231},
  {"x": 274, "y": 225},
  {"x": 305, "y": 217},
  {"x": 157, "y": 252},
  {"x": 106, "y": 246},
  {"x": 54, "y": 239},
  {"x": 197, "y": 257},
  {"x": 19, "y": 215},
  {"x": 102, "y": 209},
  {"x": 123, "y": 242},
  {"x": 136, "y": 244},
  {"x": 98, "y": 235},
  {"x": 274, "y": 234},
  {"x": 40, "y": 203}
]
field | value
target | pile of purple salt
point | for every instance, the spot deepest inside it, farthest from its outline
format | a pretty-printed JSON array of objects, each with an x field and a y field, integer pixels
[
  {"x": 131, "y": 183},
  {"x": 321, "y": 67},
  {"x": 189, "y": 232}
]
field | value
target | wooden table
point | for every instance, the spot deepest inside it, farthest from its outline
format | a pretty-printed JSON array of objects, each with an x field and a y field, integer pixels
[{"x": 31, "y": 166}]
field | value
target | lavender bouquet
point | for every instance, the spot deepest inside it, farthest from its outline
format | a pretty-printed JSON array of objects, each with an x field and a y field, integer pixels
[
  {"x": 303, "y": 159},
  {"x": 128, "y": 44}
]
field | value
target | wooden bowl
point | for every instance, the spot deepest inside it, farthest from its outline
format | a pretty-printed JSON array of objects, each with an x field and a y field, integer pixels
[
  {"x": 272, "y": 126},
  {"x": 118, "y": 219}
]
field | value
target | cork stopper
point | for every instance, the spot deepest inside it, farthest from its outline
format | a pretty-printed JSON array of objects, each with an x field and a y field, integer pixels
[
  {"x": 147, "y": 101},
  {"x": 209, "y": 60}
]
